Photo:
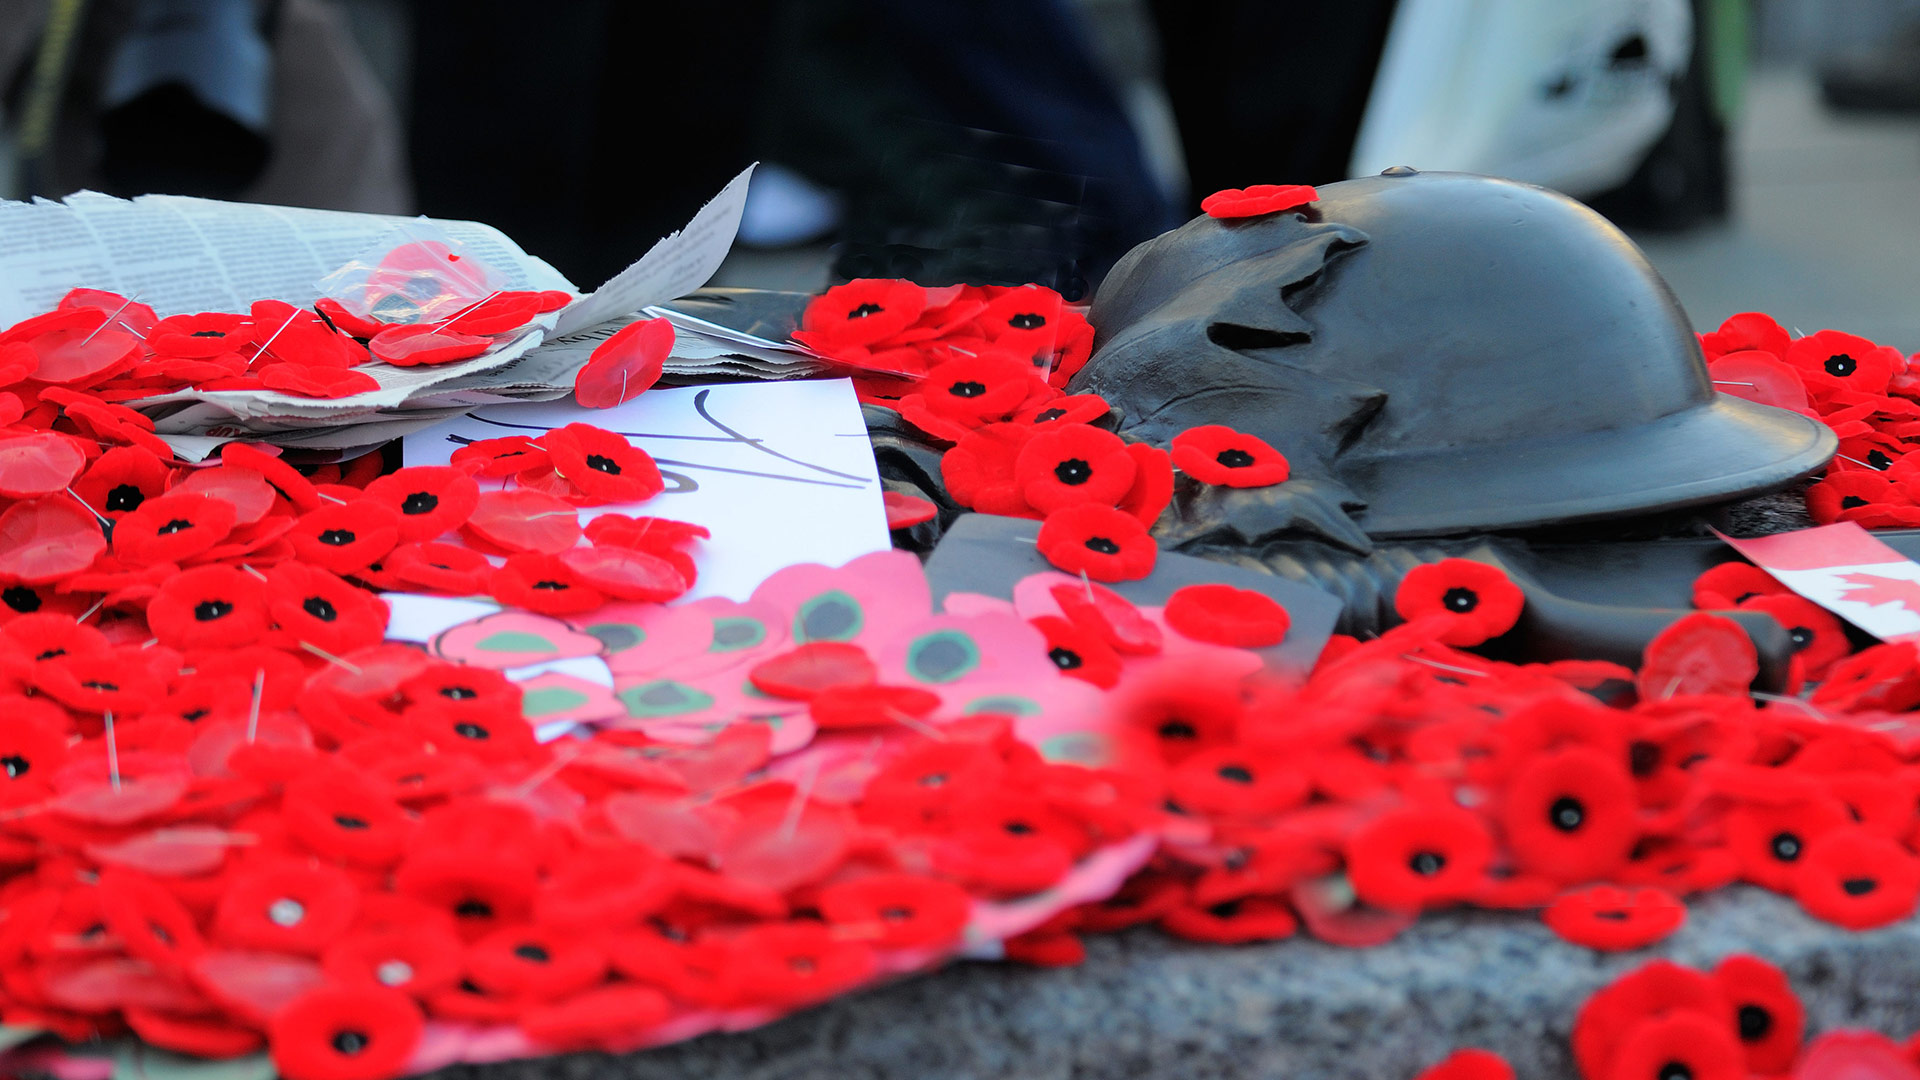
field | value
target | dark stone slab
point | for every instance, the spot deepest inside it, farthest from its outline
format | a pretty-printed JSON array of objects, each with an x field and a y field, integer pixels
[{"x": 1147, "y": 1006}]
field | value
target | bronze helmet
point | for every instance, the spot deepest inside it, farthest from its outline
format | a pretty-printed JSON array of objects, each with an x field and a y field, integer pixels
[{"x": 1442, "y": 352}]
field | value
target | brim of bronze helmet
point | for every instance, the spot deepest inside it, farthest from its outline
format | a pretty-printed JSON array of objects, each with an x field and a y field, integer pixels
[{"x": 1717, "y": 452}]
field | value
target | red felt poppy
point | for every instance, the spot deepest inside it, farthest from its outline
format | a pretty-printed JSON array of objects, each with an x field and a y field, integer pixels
[
  {"x": 1257, "y": 199},
  {"x": 1080, "y": 652},
  {"x": 121, "y": 479},
  {"x": 1073, "y": 464},
  {"x": 1656, "y": 989},
  {"x": 1698, "y": 654},
  {"x": 442, "y": 568},
  {"x": 1224, "y": 615},
  {"x": 612, "y": 1017},
  {"x": 905, "y": 511},
  {"x": 339, "y": 815},
  {"x": 1731, "y": 584},
  {"x": 1677, "y": 1044},
  {"x": 1769, "y": 1018},
  {"x": 1884, "y": 676},
  {"x": 1104, "y": 543},
  {"x": 975, "y": 389},
  {"x": 43, "y": 540},
  {"x": 1419, "y": 856},
  {"x": 535, "y": 963},
  {"x": 624, "y": 365},
  {"x": 500, "y": 312},
  {"x": 346, "y": 538},
  {"x": 1830, "y": 360},
  {"x": 1469, "y": 1065},
  {"x": 1477, "y": 601},
  {"x": 1109, "y": 614},
  {"x": 346, "y": 321},
  {"x": 194, "y": 336},
  {"x": 542, "y": 583},
  {"x": 1857, "y": 495},
  {"x": 420, "y": 344},
  {"x": 797, "y": 963},
  {"x": 1233, "y": 783},
  {"x": 1008, "y": 843},
  {"x": 33, "y": 746},
  {"x": 979, "y": 470},
  {"x": 287, "y": 480},
  {"x": 500, "y": 457},
  {"x": 345, "y": 1032},
  {"x": 1771, "y": 842},
  {"x": 1217, "y": 454},
  {"x": 481, "y": 894},
  {"x": 1152, "y": 485},
  {"x": 421, "y": 959},
  {"x": 1232, "y": 922},
  {"x": 1612, "y": 919},
  {"x": 898, "y": 911},
  {"x": 802, "y": 673},
  {"x": 1570, "y": 815},
  {"x": 209, "y": 606},
  {"x": 604, "y": 466},
  {"x": 286, "y": 906},
  {"x": 172, "y": 527},
  {"x": 99, "y": 682},
  {"x": 148, "y": 920},
  {"x": 1819, "y": 640},
  {"x": 1853, "y": 878},
  {"x": 39, "y": 463},
  {"x": 316, "y": 381},
  {"x": 1070, "y": 409},
  {"x": 430, "y": 499},
  {"x": 861, "y": 312},
  {"x": 605, "y": 886},
  {"x": 1747, "y": 330},
  {"x": 520, "y": 519},
  {"x": 631, "y": 574}
]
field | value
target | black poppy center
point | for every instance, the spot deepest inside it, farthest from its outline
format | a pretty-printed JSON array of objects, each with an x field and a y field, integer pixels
[
  {"x": 174, "y": 526},
  {"x": 1102, "y": 545},
  {"x": 337, "y": 537},
  {"x": 1643, "y": 757},
  {"x": 1234, "y": 459},
  {"x": 1460, "y": 599},
  {"x": 1802, "y": 637},
  {"x": 348, "y": 821},
  {"x": 554, "y": 585},
  {"x": 1065, "y": 659},
  {"x": 348, "y": 1042},
  {"x": 124, "y": 498},
  {"x": 1785, "y": 846},
  {"x": 1840, "y": 365},
  {"x": 1018, "y": 828},
  {"x": 1027, "y": 320},
  {"x": 320, "y": 608},
  {"x": 16, "y": 766},
  {"x": 209, "y": 610},
  {"x": 1755, "y": 1023},
  {"x": 1238, "y": 774},
  {"x": 1427, "y": 863},
  {"x": 896, "y": 914},
  {"x": 21, "y": 599},
  {"x": 967, "y": 389},
  {"x": 473, "y": 909},
  {"x": 208, "y": 333},
  {"x": 1049, "y": 414},
  {"x": 459, "y": 693},
  {"x": 1851, "y": 501},
  {"x": 50, "y": 654},
  {"x": 1566, "y": 814},
  {"x": 102, "y": 685},
  {"x": 865, "y": 310},
  {"x": 1178, "y": 729},
  {"x": 1675, "y": 1070},
  {"x": 420, "y": 502},
  {"x": 1859, "y": 886},
  {"x": 1879, "y": 460},
  {"x": 467, "y": 729},
  {"x": 532, "y": 952},
  {"x": 607, "y": 465},
  {"x": 1073, "y": 471}
]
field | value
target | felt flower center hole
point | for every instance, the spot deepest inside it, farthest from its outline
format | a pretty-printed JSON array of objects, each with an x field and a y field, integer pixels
[
  {"x": 1238, "y": 774},
  {"x": 1018, "y": 828},
  {"x": 896, "y": 914},
  {"x": 350, "y": 1042},
  {"x": 555, "y": 585},
  {"x": 1802, "y": 637},
  {"x": 1461, "y": 599},
  {"x": 124, "y": 498},
  {"x": 1858, "y": 886},
  {"x": 1427, "y": 863},
  {"x": 209, "y": 610},
  {"x": 1027, "y": 320},
  {"x": 1234, "y": 459},
  {"x": 21, "y": 599},
  {"x": 286, "y": 911},
  {"x": 1643, "y": 758},
  {"x": 1050, "y": 414},
  {"x": 1852, "y": 501},
  {"x": 805, "y": 965},
  {"x": 1786, "y": 847},
  {"x": 863, "y": 311},
  {"x": 394, "y": 973},
  {"x": 603, "y": 464},
  {"x": 967, "y": 389},
  {"x": 1178, "y": 729},
  {"x": 459, "y": 693},
  {"x": 207, "y": 333},
  {"x": 1879, "y": 460},
  {"x": 467, "y": 729},
  {"x": 1102, "y": 545},
  {"x": 933, "y": 780},
  {"x": 50, "y": 654},
  {"x": 1755, "y": 1023},
  {"x": 1566, "y": 814},
  {"x": 420, "y": 502},
  {"x": 1840, "y": 365},
  {"x": 1073, "y": 471},
  {"x": 347, "y": 821},
  {"x": 337, "y": 537},
  {"x": 1675, "y": 1070},
  {"x": 174, "y": 526},
  {"x": 16, "y": 766},
  {"x": 1064, "y": 659},
  {"x": 473, "y": 909},
  {"x": 101, "y": 685},
  {"x": 319, "y": 608},
  {"x": 533, "y": 953}
]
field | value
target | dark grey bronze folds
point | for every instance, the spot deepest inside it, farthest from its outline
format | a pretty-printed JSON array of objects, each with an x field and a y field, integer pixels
[{"x": 1436, "y": 353}]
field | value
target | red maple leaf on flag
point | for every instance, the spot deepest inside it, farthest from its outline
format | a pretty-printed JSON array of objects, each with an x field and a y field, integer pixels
[{"x": 1875, "y": 590}]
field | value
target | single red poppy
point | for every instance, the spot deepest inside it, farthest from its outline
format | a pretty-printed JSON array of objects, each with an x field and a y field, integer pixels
[
  {"x": 206, "y": 334},
  {"x": 789, "y": 964},
  {"x": 286, "y": 906},
  {"x": 520, "y": 519},
  {"x": 895, "y": 910},
  {"x": 1225, "y": 615},
  {"x": 430, "y": 499},
  {"x": 33, "y": 746},
  {"x": 1819, "y": 640},
  {"x": 121, "y": 310},
  {"x": 625, "y": 365},
  {"x": 1257, "y": 199},
  {"x": 1072, "y": 464},
  {"x": 803, "y": 672},
  {"x": 339, "y": 815},
  {"x": 979, "y": 470},
  {"x": 1419, "y": 856},
  {"x": 1217, "y": 454},
  {"x": 1027, "y": 319},
  {"x": 1009, "y": 843},
  {"x": 209, "y": 606},
  {"x": 543, "y": 583},
  {"x": 38, "y": 463},
  {"x": 1771, "y": 842},
  {"x": 172, "y": 527},
  {"x": 1109, "y": 614},
  {"x": 311, "y": 607},
  {"x": 1068, "y": 409},
  {"x": 316, "y": 381},
  {"x": 345, "y": 1032},
  {"x": 1853, "y": 878},
  {"x": 1478, "y": 601},
  {"x": 497, "y": 735},
  {"x": 905, "y": 511},
  {"x": 1233, "y": 783},
  {"x": 1698, "y": 654},
  {"x": 605, "y": 886},
  {"x": 1611, "y": 919},
  {"x": 99, "y": 682},
  {"x": 631, "y": 574},
  {"x": 919, "y": 788},
  {"x": 1884, "y": 676},
  {"x": 1655, "y": 989},
  {"x": 1769, "y": 1018},
  {"x": 1731, "y": 584},
  {"x": 602, "y": 465},
  {"x": 1829, "y": 360},
  {"x": 44, "y": 540},
  {"x": 1854, "y": 495},
  {"x": 420, "y": 344},
  {"x": 1570, "y": 815},
  {"x": 1747, "y": 330},
  {"x": 346, "y": 538},
  {"x": 443, "y": 568},
  {"x": 532, "y": 963},
  {"x": 421, "y": 958},
  {"x": 1181, "y": 717},
  {"x": 1232, "y": 922},
  {"x": 501, "y": 312},
  {"x": 861, "y": 312},
  {"x": 696, "y": 973},
  {"x": 1677, "y": 1044},
  {"x": 612, "y": 1017},
  {"x": 500, "y": 457},
  {"x": 1079, "y": 651},
  {"x": 978, "y": 388},
  {"x": 1844, "y": 1054},
  {"x": 481, "y": 894},
  {"x": 118, "y": 481},
  {"x": 1104, "y": 543},
  {"x": 1469, "y": 1064}
]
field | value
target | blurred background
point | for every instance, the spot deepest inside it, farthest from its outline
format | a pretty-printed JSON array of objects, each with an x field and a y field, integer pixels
[{"x": 1765, "y": 153}]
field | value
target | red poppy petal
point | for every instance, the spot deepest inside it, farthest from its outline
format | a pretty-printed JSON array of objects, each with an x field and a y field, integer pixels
[
  {"x": 624, "y": 365},
  {"x": 38, "y": 464},
  {"x": 1224, "y": 615}
]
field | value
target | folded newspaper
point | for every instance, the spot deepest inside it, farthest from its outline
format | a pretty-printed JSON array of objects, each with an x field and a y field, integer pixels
[{"x": 184, "y": 255}]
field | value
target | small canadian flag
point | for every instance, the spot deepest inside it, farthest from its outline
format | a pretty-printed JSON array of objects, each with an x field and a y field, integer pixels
[{"x": 1845, "y": 570}]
